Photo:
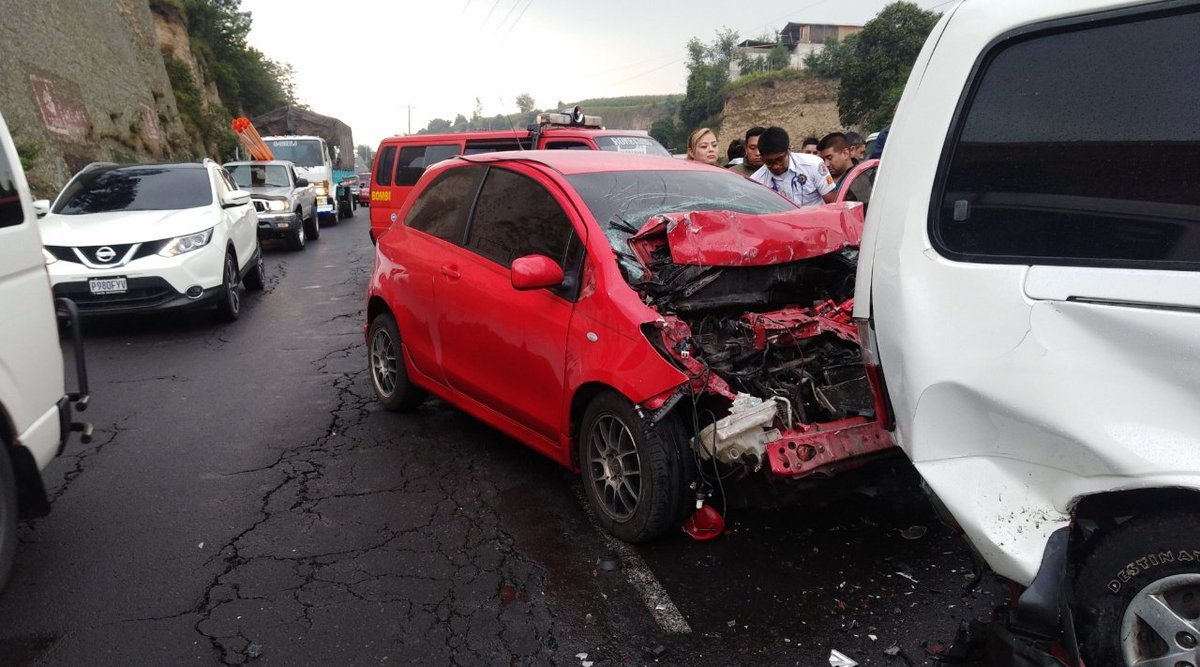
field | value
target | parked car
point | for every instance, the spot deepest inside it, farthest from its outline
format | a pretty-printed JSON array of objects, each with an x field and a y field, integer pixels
[
  {"x": 364, "y": 189},
  {"x": 286, "y": 204},
  {"x": 1030, "y": 274},
  {"x": 153, "y": 237},
  {"x": 401, "y": 160},
  {"x": 661, "y": 326},
  {"x": 35, "y": 406}
]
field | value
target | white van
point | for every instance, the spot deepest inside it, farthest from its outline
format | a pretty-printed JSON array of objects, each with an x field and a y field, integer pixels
[
  {"x": 1030, "y": 271},
  {"x": 35, "y": 408}
]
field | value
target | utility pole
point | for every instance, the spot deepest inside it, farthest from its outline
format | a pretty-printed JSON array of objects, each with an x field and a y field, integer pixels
[{"x": 410, "y": 108}]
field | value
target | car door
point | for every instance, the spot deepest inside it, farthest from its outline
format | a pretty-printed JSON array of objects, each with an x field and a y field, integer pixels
[
  {"x": 241, "y": 220},
  {"x": 434, "y": 225},
  {"x": 1038, "y": 320},
  {"x": 503, "y": 347}
]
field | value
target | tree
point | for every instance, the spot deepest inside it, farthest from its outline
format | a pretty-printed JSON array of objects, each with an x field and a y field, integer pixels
[
  {"x": 364, "y": 152},
  {"x": 830, "y": 61},
  {"x": 777, "y": 58},
  {"x": 525, "y": 103},
  {"x": 437, "y": 125},
  {"x": 664, "y": 131},
  {"x": 708, "y": 72},
  {"x": 884, "y": 55},
  {"x": 477, "y": 114}
]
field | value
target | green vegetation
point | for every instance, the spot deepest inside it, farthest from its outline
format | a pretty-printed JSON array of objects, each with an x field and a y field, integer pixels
[
  {"x": 874, "y": 72},
  {"x": 28, "y": 154},
  {"x": 708, "y": 72},
  {"x": 247, "y": 81},
  {"x": 767, "y": 79},
  {"x": 830, "y": 62}
]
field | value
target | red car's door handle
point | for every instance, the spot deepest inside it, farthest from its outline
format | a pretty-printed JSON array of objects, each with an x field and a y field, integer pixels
[{"x": 451, "y": 272}]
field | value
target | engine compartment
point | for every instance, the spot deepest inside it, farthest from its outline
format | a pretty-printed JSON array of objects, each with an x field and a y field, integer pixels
[{"x": 760, "y": 325}]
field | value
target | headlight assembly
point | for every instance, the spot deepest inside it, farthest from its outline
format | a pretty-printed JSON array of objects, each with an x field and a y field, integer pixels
[
  {"x": 182, "y": 244},
  {"x": 320, "y": 191},
  {"x": 276, "y": 205}
]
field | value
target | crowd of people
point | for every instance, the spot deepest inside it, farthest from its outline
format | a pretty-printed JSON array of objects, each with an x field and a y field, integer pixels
[{"x": 813, "y": 175}]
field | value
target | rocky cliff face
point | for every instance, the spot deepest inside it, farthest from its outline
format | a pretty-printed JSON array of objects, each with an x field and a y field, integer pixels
[
  {"x": 173, "y": 42},
  {"x": 803, "y": 107},
  {"x": 84, "y": 81}
]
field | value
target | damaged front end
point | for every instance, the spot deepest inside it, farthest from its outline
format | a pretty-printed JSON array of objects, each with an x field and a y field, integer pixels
[{"x": 756, "y": 309}]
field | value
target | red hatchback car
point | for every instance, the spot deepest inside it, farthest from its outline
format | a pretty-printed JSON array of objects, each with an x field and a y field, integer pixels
[{"x": 661, "y": 326}]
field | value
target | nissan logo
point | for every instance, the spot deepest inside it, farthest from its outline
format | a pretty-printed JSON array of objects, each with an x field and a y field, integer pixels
[{"x": 105, "y": 254}]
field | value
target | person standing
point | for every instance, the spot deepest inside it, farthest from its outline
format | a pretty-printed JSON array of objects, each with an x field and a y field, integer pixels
[
  {"x": 802, "y": 178},
  {"x": 809, "y": 145},
  {"x": 753, "y": 160},
  {"x": 858, "y": 147},
  {"x": 702, "y": 146},
  {"x": 834, "y": 148}
]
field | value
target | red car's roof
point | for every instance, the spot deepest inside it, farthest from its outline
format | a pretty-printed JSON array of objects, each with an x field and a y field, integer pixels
[{"x": 583, "y": 162}]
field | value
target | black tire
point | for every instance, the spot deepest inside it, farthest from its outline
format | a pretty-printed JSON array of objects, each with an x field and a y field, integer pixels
[
  {"x": 634, "y": 508},
  {"x": 312, "y": 226},
  {"x": 299, "y": 236},
  {"x": 332, "y": 219},
  {"x": 256, "y": 277},
  {"x": 389, "y": 378},
  {"x": 230, "y": 305},
  {"x": 9, "y": 512},
  {"x": 1126, "y": 569}
]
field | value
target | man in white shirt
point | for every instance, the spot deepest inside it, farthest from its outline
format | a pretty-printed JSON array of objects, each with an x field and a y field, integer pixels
[{"x": 802, "y": 178}]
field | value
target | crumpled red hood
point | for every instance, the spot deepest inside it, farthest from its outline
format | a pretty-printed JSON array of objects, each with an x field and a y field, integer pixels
[{"x": 725, "y": 238}]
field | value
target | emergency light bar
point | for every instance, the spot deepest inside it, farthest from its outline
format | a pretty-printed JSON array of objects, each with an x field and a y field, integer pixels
[{"x": 572, "y": 118}]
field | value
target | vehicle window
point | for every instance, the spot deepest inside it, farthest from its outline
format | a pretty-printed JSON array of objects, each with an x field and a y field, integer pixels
[
  {"x": 514, "y": 217},
  {"x": 303, "y": 152},
  {"x": 441, "y": 209},
  {"x": 632, "y": 144},
  {"x": 1075, "y": 148},
  {"x": 494, "y": 145},
  {"x": 11, "y": 213},
  {"x": 259, "y": 175},
  {"x": 567, "y": 146},
  {"x": 136, "y": 189},
  {"x": 415, "y": 159},
  {"x": 622, "y": 201},
  {"x": 383, "y": 166}
]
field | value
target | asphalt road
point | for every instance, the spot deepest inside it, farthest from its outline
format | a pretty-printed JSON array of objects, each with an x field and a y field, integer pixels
[{"x": 245, "y": 500}]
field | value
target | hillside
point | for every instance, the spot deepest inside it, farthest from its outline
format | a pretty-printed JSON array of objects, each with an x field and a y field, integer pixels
[
  {"x": 802, "y": 105},
  {"x": 629, "y": 113}
]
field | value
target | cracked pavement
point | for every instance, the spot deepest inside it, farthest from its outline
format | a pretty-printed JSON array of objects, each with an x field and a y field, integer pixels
[{"x": 245, "y": 500}]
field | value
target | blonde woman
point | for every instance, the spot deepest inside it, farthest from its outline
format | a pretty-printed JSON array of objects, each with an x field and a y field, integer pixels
[{"x": 702, "y": 146}]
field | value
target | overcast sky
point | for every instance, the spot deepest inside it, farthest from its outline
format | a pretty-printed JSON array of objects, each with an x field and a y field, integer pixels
[{"x": 365, "y": 62}]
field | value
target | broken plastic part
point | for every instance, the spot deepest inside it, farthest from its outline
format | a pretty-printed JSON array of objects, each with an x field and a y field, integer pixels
[
  {"x": 704, "y": 524},
  {"x": 745, "y": 432}
]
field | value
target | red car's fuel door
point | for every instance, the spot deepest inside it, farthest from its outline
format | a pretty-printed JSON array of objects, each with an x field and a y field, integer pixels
[{"x": 504, "y": 347}]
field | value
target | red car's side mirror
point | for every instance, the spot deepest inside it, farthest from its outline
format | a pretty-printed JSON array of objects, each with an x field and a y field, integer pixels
[{"x": 535, "y": 272}]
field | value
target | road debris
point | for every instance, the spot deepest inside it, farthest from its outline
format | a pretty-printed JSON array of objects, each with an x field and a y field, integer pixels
[
  {"x": 608, "y": 562},
  {"x": 839, "y": 659},
  {"x": 914, "y": 532}
]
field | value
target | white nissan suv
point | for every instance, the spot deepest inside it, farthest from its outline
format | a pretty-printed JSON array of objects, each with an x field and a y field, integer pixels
[{"x": 141, "y": 238}]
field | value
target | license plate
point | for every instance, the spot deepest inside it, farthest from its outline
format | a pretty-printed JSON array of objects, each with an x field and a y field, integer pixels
[{"x": 108, "y": 285}]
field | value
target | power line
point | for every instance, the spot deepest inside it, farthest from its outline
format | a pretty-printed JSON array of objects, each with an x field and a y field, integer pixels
[
  {"x": 489, "y": 14},
  {"x": 510, "y": 11},
  {"x": 650, "y": 71},
  {"x": 518, "y": 19}
]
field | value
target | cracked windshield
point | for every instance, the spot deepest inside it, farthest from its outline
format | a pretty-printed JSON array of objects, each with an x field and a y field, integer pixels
[{"x": 510, "y": 332}]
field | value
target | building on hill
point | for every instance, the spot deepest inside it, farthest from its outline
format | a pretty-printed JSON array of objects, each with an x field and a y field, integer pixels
[{"x": 800, "y": 39}]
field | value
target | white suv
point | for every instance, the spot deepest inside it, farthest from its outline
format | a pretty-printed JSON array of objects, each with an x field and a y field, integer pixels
[
  {"x": 35, "y": 408},
  {"x": 1030, "y": 270},
  {"x": 151, "y": 238}
]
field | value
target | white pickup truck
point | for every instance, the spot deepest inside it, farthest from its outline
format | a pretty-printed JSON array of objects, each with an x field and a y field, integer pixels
[
  {"x": 1030, "y": 272},
  {"x": 35, "y": 408}
]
